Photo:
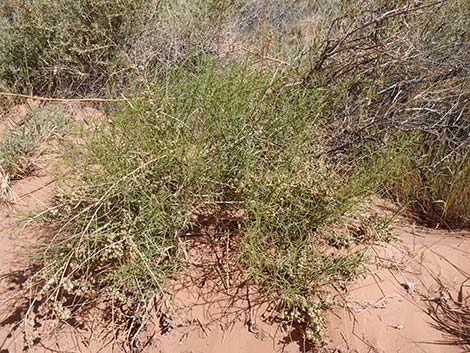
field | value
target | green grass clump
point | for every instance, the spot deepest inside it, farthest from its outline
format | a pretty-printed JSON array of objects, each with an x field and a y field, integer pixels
[
  {"x": 434, "y": 184},
  {"x": 20, "y": 147},
  {"x": 206, "y": 142}
]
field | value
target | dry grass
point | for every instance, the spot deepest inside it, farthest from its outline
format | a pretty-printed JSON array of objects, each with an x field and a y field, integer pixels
[
  {"x": 6, "y": 194},
  {"x": 452, "y": 316}
]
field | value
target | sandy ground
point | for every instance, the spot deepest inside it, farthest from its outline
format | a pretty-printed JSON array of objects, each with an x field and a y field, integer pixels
[
  {"x": 30, "y": 194},
  {"x": 385, "y": 311}
]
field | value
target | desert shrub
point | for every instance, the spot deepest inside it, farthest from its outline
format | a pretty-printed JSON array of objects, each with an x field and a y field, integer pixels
[
  {"x": 71, "y": 48},
  {"x": 91, "y": 47},
  {"x": 350, "y": 98},
  {"x": 207, "y": 141},
  {"x": 408, "y": 84},
  {"x": 66, "y": 46}
]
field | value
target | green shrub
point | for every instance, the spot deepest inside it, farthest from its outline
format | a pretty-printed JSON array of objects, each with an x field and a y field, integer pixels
[
  {"x": 72, "y": 47},
  {"x": 206, "y": 142}
]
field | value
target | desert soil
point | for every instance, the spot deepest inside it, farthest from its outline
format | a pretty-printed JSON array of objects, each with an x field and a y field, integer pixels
[{"x": 386, "y": 308}]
